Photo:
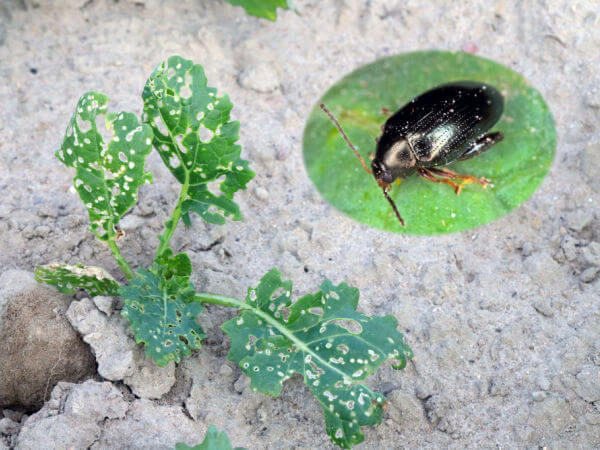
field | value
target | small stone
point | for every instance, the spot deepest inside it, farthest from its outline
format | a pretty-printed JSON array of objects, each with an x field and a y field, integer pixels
[
  {"x": 388, "y": 387},
  {"x": 261, "y": 194},
  {"x": 8, "y": 426},
  {"x": 591, "y": 254},
  {"x": 42, "y": 231},
  {"x": 259, "y": 77},
  {"x": 13, "y": 415},
  {"x": 498, "y": 387},
  {"x": 538, "y": 396},
  {"x": 242, "y": 384},
  {"x": 104, "y": 304},
  {"x": 405, "y": 408},
  {"x": 96, "y": 400},
  {"x": 590, "y": 164},
  {"x": 527, "y": 249},
  {"x": 47, "y": 211},
  {"x": 131, "y": 222},
  {"x": 225, "y": 370},
  {"x": 592, "y": 418},
  {"x": 589, "y": 274},
  {"x": 592, "y": 95},
  {"x": 544, "y": 307},
  {"x": 552, "y": 414},
  {"x": 579, "y": 220},
  {"x": 569, "y": 247},
  {"x": 543, "y": 383},
  {"x": 543, "y": 269},
  {"x": 588, "y": 387}
]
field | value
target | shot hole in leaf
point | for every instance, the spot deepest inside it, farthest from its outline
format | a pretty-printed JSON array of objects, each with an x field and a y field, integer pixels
[{"x": 351, "y": 325}]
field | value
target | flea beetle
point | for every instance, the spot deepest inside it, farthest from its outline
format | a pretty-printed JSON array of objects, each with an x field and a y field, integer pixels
[{"x": 445, "y": 124}]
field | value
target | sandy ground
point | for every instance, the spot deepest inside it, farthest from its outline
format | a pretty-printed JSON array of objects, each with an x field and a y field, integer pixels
[{"x": 503, "y": 319}]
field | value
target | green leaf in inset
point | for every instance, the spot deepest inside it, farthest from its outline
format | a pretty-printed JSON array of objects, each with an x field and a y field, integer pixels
[
  {"x": 324, "y": 339},
  {"x": 195, "y": 139},
  {"x": 108, "y": 174},
  {"x": 267, "y": 9},
  {"x": 214, "y": 440},
  {"x": 516, "y": 166},
  {"x": 95, "y": 280},
  {"x": 162, "y": 313}
]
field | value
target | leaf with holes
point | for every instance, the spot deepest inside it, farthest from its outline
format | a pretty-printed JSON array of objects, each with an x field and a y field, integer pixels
[
  {"x": 324, "y": 339},
  {"x": 162, "y": 314},
  {"x": 196, "y": 139},
  {"x": 108, "y": 174},
  {"x": 95, "y": 280},
  {"x": 214, "y": 440},
  {"x": 266, "y": 9}
]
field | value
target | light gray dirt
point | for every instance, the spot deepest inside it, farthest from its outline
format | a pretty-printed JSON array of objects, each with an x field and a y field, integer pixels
[{"x": 503, "y": 319}]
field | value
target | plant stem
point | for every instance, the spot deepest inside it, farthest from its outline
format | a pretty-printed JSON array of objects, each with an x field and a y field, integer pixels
[
  {"x": 171, "y": 224},
  {"x": 215, "y": 299},
  {"x": 123, "y": 264}
]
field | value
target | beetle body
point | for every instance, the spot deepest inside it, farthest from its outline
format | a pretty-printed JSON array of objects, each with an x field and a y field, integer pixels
[{"x": 443, "y": 125}]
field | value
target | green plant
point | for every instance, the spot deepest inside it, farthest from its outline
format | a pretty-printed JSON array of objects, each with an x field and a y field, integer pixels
[
  {"x": 272, "y": 338},
  {"x": 267, "y": 9},
  {"x": 214, "y": 440}
]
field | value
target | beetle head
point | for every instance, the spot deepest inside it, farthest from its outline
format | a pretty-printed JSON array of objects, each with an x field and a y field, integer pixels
[
  {"x": 381, "y": 173},
  {"x": 394, "y": 157}
]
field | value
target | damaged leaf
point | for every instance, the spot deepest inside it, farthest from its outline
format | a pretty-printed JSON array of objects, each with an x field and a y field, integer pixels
[
  {"x": 266, "y": 9},
  {"x": 95, "y": 280},
  {"x": 158, "y": 305},
  {"x": 322, "y": 337},
  {"x": 196, "y": 139},
  {"x": 108, "y": 174},
  {"x": 214, "y": 440}
]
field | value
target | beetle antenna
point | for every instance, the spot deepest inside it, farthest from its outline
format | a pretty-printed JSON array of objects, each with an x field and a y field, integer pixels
[
  {"x": 339, "y": 127},
  {"x": 393, "y": 205}
]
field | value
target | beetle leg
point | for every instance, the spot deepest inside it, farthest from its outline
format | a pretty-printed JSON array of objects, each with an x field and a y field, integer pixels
[
  {"x": 425, "y": 173},
  {"x": 482, "y": 144},
  {"x": 467, "y": 179}
]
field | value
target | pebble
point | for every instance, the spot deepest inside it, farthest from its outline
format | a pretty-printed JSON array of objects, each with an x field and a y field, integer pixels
[
  {"x": 592, "y": 418},
  {"x": 104, "y": 304},
  {"x": 261, "y": 194},
  {"x": 259, "y": 77},
  {"x": 543, "y": 269},
  {"x": 589, "y": 274},
  {"x": 588, "y": 387},
  {"x": 544, "y": 307},
  {"x": 579, "y": 220},
  {"x": 591, "y": 254},
  {"x": 592, "y": 95},
  {"x": 527, "y": 249},
  {"x": 539, "y": 396},
  {"x": 543, "y": 383},
  {"x": 590, "y": 164}
]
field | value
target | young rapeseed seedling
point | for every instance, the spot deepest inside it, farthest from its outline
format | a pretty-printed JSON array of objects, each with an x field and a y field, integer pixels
[{"x": 272, "y": 338}]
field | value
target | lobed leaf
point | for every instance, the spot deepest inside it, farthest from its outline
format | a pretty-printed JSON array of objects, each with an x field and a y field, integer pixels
[
  {"x": 214, "y": 440},
  {"x": 95, "y": 280},
  {"x": 316, "y": 341},
  {"x": 266, "y": 9},
  {"x": 158, "y": 305},
  {"x": 108, "y": 174},
  {"x": 195, "y": 139}
]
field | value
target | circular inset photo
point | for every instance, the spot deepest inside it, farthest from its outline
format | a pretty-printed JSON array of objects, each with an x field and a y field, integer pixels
[{"x": 424, "y": 148}]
